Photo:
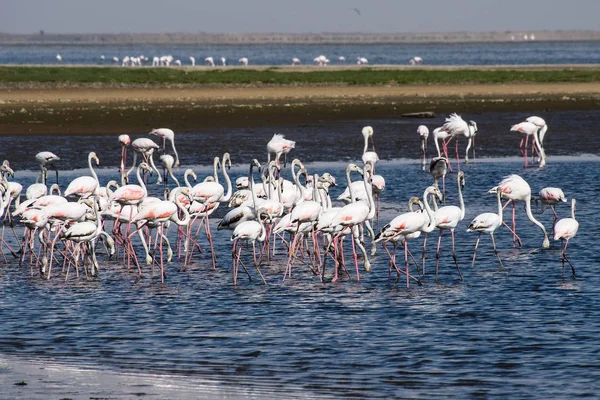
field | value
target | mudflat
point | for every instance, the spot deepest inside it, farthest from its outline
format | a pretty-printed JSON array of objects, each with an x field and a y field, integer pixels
[{"x": 36, "y": 108}]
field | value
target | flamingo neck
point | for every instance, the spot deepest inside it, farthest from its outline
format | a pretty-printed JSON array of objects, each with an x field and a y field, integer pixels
[
  {"x": 93, "y": 173},
  {"x": 215, "y": 167},
  {"x": 228, "y": 181},
  {"x": 500, "y": 208},
  {"x": 461, "y": 201},
  {"x": 174, "y": 151},
  {"x": 140, "y": 180},
  {"x": 369, "y": 190},
  {"x": 431, "y": 224},
  {"x": 546, "y": 242},
  {"x": 349, "y": 185},
  {"x": 186, "y": 214}
]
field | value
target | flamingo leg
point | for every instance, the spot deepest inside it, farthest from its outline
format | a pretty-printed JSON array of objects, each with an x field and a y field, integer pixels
[
  {"x": 454, "y": 255},
  {"x": 437, "y": 254},
  {"x": 475, "y": 251},
  {"x": 564, "y": 258},
  {"x": 496, "y": 250}
]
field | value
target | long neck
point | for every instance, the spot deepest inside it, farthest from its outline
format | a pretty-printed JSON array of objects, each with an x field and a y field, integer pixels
[
  {"x": 185, "y": 178},
  {"x": 228, "y": 181},
  {"x": 546, "y": 242},
  {"x": 132, "y": 167},
  {"x": 461, "y": 201},
  {"x": 92, "y": 170},
  {"x": 499, "y": 196},
  {"x": 251, "y": 187},
  {"x": 186, "y": 214},
  {"x": 170, "y": 169},
  {"x": 369, "y": 191},
  {"x": 366, "y": 148},
  {"x": 431, "y": 225},
  {"x": 573, "y": 208},
  {"x": 140, "y": 180},
  {"x": 215, "y": 166},
  {"x": 300, "y": 187},
  {"x": 468, "y": 148},
  {"x": 437, "y": 145},
  {"x": 349, "y": 185},
  {"x": 175, "y": 151}
]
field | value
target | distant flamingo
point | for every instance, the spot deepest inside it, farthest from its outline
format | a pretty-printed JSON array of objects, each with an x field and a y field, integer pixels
[
  {"x": 47, "y": 159},
  {"x": 456, "y": 126},
  {"x": 243, "y": 61},
  {"x": 341, "y": 59},
  {"x": 487, "y": 223},
  {"x": 125, "y": 141},
  {"x": 565, "y": 229},
  {"x": 529, "y": 129},
  {"x": 167, "y": 134},
  {"x": 59, "y": 59},
  {"x": 423, "y": 132},
  {"x": 193, "y": 61},
  {"x": 279, "y": 145},
  {"x": 295, "y": 61},
  {"x": 362, "y": 61},
  {"x": 209, "y": 61},
  {"x": 517, "y": 189},
  {"x": 542, "y": 126}
]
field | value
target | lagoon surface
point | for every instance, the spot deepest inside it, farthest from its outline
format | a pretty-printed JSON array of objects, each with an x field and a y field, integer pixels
[
  {"x": 528, "y": 330},
  {"x": 512, "y": 53}
]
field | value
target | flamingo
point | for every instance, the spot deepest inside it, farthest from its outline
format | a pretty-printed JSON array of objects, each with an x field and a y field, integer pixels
[
  {"x": 125, "y": 141},
  {"x": 362, "y": 61},
  {"x": 564, "y": 230},
  {"x": 423, "y": 132},
  {"x": 517, "y": 189},
  {"x": 87, "y": 232},
  {"x": 440, "y": 134},
  {"x": 243, "y": 61},
  {"x": 223, "y": 61},
  {"x": 59, "y": 59},
  {"x": 529, "y": 129},
  {"x": 542, "y": 126},
  {"x": 342, "y": 59},
  {"x": 251, "y": 231},
  {"x": 438, "y": 168},
  {"x": 550, "y": 196},
  {"x": 47, "y": 159},
  {"x": 168, "y": 161},
  {"x": 367, "y": 156},
  {"x": 354, "y": 214},
  {"x": 448, "y": 217},
  {"x": 193, "y": 61},
  {"x": 146, "y": 148},
  {"x": 279, "y": 145},
  {"x": 295, "y": 61},
  {"x": 487, "y": 223},
  {"x": 456, "y": 126},
  {"x": 167, "y": 134},
  {"x": 409, "y": 226},
  {"x": 209, "y": 61},
  {"x": 85, "y": 186}
]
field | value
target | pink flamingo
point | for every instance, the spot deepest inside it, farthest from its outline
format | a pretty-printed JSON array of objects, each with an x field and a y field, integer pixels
[
  {"x": 85, "y": 186},
  {"x": 487, "y": 223},
  {"x": 564, "y": 230},
  {"x": 167, "y": 134},
  {"x": 529, "y": 129},
  {"x": 515, "y": 189},
  {"x": 45, "y": 159},
  {"x": 423, "y": 132}
]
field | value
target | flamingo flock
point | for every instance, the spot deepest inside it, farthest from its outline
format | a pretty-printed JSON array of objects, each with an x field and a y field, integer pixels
[{"x": 296, "y": 214}]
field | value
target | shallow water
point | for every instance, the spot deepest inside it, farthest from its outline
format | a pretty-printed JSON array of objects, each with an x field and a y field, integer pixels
[
  {"x": 521, "y": 53},
  {"x": 524, "y": 331}
]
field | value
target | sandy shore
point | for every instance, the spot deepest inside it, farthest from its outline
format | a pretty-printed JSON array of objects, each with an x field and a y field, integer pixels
[{"x": 108, "y": 109}]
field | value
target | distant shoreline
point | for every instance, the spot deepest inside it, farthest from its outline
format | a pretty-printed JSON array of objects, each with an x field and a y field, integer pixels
[{"x": 323, "y": 38}]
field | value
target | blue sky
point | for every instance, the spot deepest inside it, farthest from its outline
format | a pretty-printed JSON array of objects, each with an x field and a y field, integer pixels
[{"x": 300, "y": 16}]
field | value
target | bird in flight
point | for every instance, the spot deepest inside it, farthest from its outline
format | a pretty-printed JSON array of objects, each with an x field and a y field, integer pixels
[{"x": 357, "y": 11}]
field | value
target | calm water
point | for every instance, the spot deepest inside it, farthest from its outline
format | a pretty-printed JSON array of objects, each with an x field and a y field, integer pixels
[
  {"x": 524, "y": 331},
  {"x": 522, "y": 53}
]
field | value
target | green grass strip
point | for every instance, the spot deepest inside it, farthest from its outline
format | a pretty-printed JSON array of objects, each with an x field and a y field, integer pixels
[{"x": 284, "y": 76}]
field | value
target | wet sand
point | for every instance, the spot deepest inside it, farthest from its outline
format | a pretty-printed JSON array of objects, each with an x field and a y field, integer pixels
[{"x": 109, "y": 109}]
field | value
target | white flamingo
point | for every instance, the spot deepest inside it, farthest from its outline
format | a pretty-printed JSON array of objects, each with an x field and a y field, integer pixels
[
  {"x": 564, "y": 230},
  {"x": 487, "y": 223},
  {"x": 423, "y": 132}
]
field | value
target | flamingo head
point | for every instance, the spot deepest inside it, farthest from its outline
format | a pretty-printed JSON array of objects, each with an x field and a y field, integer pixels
[
  {"x": 93, "y": 156},
  {"x": 415, "y": 201},
  {"x": 7, "y": 169},
  {"x": 145, "y": 167},
  {"x": 125, "y": 140},
  {"x": 461, "y": 178},
  {"x": 227, "y": 160},
  {"x": 474, "y": 125}
]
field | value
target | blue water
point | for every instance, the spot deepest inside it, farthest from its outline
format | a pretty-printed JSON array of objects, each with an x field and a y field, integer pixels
[
  {"x": 528, "y": 330},
  {"x": 522, "y": 53}
]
